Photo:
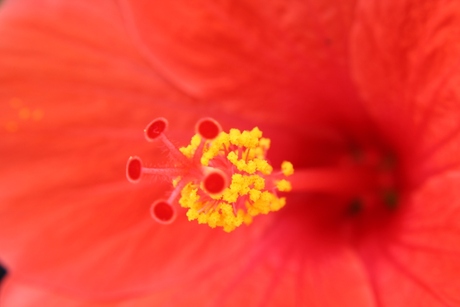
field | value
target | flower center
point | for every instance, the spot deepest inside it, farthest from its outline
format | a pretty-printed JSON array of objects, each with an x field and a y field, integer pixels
[
  {"x": 354, "y": 193},
  {"x": 222, "y": 179}
]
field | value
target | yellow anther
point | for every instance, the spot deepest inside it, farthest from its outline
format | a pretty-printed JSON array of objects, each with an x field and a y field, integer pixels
[
  {"x": 245, "y": 139},
  {"x": 264, "y": 143},
  {"x": 256, "y": 133},
  {"x": 176, "y": 181},
  {"x": 263, "y": 166},
  {"x": 259, "y": 183},
  {"x": 202, "y": 218},
  {"x": 267, "y": 196},
  {"x": 254, "y": 195},
  {"x": 280, "y": 203},
  {"x": 192, "y": 214},
  {"x": 251, "y": 167},
  {"x": 287, "y": 168},
  {"x": 226, "y": 209},
  {"x": 247, "y": 219},
  {"x": 223, "y": 140},
  {"x": 216, "y": 147},
  {"x": 240, "y": 184},
  {"x": 283, "y": 185},
  {"x": 250, "y": 191},
  {"x": 230, "y": 196},
  {"x": 232, "y": 157},
  {"x": 234, "y": 136},
  {"x": 241, "y": 165},
  {"x": 252, "y": 211},
  {"x": 189, "y": 151},
  {"x": 213, "y": 219}
]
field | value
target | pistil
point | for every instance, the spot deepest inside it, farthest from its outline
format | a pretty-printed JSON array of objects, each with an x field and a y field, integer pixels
[
  {"x": 330, "y": 180},
  {"x": 222, "y": 179}
]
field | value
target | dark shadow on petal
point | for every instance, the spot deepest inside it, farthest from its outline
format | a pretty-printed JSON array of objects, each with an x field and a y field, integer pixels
[{"x": 3, "y": 271}]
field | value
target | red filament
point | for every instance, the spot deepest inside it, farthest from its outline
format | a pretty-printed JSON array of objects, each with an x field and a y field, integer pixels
[
  {"x": 134, "y": 169},
  {"x": 162, "y": 212},
  {"x": 155, "y": 128},
  {"x": 208, "y": 128}
]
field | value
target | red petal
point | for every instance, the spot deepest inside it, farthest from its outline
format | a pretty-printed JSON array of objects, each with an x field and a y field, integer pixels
[
  {"x": 419, "y": 265},
  {"x": 259, "y": 56},
  {"x": 68, "y": 213},
  {"x": 17, "y": 293},
  {"x": 70, "y": 220},
  {"x": 406, "y": 63}
]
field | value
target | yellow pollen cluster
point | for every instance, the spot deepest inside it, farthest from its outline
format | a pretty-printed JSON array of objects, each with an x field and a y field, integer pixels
[
  {"x": 189, "y": 151},
  {"x": 252, "y": 188},
  {"x": 283, "y": 185},
  {"x": 287, "y": 168}
]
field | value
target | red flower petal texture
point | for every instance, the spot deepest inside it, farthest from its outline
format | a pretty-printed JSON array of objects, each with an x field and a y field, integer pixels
[{"x": 81, "y": 79}]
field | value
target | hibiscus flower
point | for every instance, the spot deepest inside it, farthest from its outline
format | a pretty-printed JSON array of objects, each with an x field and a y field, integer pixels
[{"x": 361, "y": 96}]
